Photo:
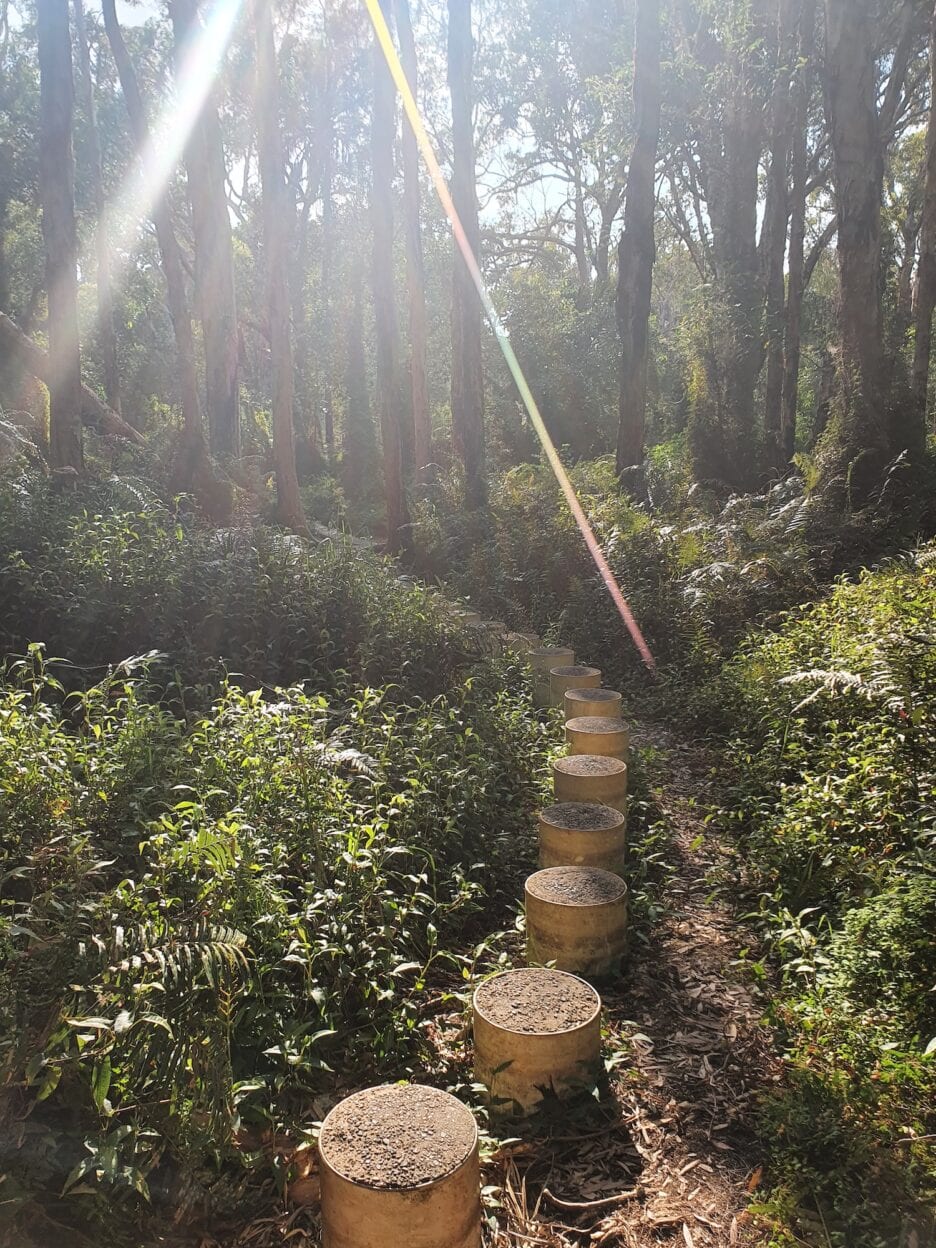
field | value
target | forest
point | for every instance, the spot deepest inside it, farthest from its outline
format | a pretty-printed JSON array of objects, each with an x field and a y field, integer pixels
[{"x": 467, "y": 470}]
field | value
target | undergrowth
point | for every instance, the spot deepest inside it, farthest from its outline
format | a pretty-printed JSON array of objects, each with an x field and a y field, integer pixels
[
  {"x": 108, "y": 569},
  {"x": 204, "y": 923},
  {"x": 835, "y": 812},
  {"x": 697, "y": 566}
]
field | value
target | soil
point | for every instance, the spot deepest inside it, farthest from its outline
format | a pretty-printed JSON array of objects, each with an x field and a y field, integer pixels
[
  {"x": 536, "y": 1002},
  {"x": 673, "y": 1158},
  {"x": 590, "y": 765},
  {"x": 398, "y": 1136},
  {"x": 576, "y": 886},
  {"x": 582, "y": 816},
  {"x": 574, "y": 671},
  {"x": 594, "y": 723},
  {"x": 594, "y": 695}
]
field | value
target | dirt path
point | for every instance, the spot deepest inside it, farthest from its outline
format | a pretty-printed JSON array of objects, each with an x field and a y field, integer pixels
[
  {"x": 669, "y": 1155},
  {"x": 676, "y": 1159}
]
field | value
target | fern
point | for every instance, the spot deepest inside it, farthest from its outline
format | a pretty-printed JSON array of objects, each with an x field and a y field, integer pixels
[{"x": 158, "y": 1011}]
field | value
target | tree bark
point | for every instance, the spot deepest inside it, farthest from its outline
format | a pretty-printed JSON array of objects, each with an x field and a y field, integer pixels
[
  {"x": 724, "y": 442},
  {"x": 858, "y": 177},
  {"x": 389, "y": 395},
  {"x": 106, "y": 334},
  {"x": 20, "y": 348},
  {"x": 276, "y": 231},
  {"x": 776, "y": 216},
  {"x": 56, "y": 187},
  {"x": 328, "y": 238},
  {"x": 214, "y": 253},
  {"x": 796, "y": 278},
  {"x": 193, "y": 442},
  {"x": 636, "y": 250},
  {"x": 415, "y": 267},
  {"x": 926, "y": 272},
  {"x": 359, "y": 443},
  {"x": 467, "y": 376}
]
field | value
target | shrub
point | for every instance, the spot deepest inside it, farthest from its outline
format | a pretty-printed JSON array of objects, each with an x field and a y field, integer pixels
[
  {"x": 835, "y": 808},
  {"x": 201, "y": 921},
  {"x": 111, "y": 571}
]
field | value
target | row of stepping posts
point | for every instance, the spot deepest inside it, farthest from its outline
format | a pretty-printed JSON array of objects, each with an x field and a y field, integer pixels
[{"x": 399, "y": 1163}]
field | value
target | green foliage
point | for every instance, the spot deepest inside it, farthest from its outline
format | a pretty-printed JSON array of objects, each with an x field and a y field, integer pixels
[
  {"x": 695, "y": 570},
  {"x": 111, "y": 570},
  {"x": 835, "y": 808},
  {"x": 200, "y": 921}
]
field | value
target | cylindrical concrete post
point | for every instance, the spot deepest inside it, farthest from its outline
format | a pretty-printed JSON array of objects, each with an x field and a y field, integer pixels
[
  {"x": 534, "y": 1030},
  {"x": 576, "y": 917},
  {"x": 594, "y": 734},
  {"x": 591, "y": 778},
  {"x": 399, "y": 1165},
  {"x": 541, "y": 660},
  {"x": 601, "y": 703},
  {"x": 582, "y": 834},
  {"x": 571, "y": 677}
]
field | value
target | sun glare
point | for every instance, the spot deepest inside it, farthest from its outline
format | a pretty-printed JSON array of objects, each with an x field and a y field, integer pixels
[{"x": 147, "y": 182}]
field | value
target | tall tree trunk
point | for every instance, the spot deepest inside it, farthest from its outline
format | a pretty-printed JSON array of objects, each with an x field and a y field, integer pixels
[
  {"x": 359, "y": 442},
  {"x": 776, "y": 216},
  {"x": 276, "y": 232},
  {"x": 328, "y": 237},
  {"x": 724, "y": 444},
  {"x": 106, "y": 335},
  {"x": 415, "y": 268},
  {"x": 389, "y": 395},
  {"x": 193, "y": 447},
  {"x": 467, "y": 377},
  {"x": 926, "y": 273},
  {"x": 796, "y": 278},
  {"x": 609, "y": 210},
  {"x": 56, "y": 187},
  {"x": 858, "y": 176},
  {"x": 214, "y": 252},
  {"x": 637, "y": 250}
]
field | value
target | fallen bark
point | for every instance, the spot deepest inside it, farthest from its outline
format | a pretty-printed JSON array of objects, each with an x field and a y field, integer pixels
[{"x": 15, "y": 345}]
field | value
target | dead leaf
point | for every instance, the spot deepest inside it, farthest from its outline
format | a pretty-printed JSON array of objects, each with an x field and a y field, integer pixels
[
  {"x": 754, "y": 1180},
  {"x": 687, "y": 1235}
]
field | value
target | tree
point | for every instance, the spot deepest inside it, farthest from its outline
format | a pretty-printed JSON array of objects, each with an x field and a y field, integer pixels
[
  {"x": 214, "y": 256},
  {"x": 192, "y": 450},
  {"x": 870, "y": 428},
  {"x": 56, "y": 185},
  {"x": 106, "y": 335},
  {"x": 636, "y": 250},
  {"x": 796, "y": 280},
  {"x": 467, "y": 376},
  {"x": 731, "y": 173},
  {"x": 858, "y": 175},
  {"x": 926, "y": 272},
  {"x": 276, "y": 216},
  {"x": 389, "y": 395},
  {"x": 415, "y": 268},
  {"x": 774, "y": 234}
]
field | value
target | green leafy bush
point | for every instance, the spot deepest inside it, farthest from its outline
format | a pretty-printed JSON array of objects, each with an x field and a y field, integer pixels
[
  {"x": 835, "y": 807},
  {"x": 201, "y": 920},
  {"x": 111, "y": 571}
]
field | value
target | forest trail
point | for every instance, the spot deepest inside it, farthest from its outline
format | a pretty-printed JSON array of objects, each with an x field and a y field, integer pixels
[{"x": 677, "y": 1159}]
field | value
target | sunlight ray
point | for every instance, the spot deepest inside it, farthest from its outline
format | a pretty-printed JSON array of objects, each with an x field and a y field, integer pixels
[
  {"x": 147, "y": 181},
  {"x": 438, "y": 178}
]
